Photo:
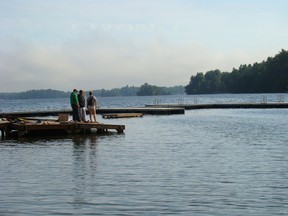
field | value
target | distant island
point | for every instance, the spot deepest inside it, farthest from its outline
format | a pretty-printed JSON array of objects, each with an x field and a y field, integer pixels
[
  {"x": 144, "y": 90},
  {"x": 270, "y": 76}
]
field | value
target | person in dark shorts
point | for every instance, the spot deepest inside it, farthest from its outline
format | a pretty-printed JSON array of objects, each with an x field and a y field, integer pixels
[
  {"x": 82, "y": 108},
  {"x": 75, "y": 105}
]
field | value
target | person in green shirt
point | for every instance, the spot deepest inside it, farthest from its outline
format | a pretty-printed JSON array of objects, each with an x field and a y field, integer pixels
[{"x": 75, "y": 105}]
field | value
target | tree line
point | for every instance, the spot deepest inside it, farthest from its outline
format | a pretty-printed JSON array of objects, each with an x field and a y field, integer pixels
[
  {"x": 145, "y": 89},
  {"x": 270, "y": 76},
  {"x": 37, "y": 94}
]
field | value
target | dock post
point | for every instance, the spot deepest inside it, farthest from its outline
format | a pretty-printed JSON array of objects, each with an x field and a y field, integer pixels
[
  {"x": 120, "y": 131},
  {"x": 6, "y": 133},
  {"x": 21, "y": 133},
  {"x": 2, "y": 134}
]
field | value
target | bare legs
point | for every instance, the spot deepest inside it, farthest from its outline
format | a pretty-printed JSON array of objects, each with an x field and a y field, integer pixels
[{"x": 92, "y": 114}]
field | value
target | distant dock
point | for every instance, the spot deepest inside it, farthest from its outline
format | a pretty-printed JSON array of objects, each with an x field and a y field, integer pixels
[{"x": 281, "y": 105}]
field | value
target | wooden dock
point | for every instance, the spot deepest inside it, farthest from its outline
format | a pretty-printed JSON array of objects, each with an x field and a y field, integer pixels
[
  {"x": 24, "y": 127},
  {"x": 20, "y": 122},
  {"x": 281, "y": 105}
]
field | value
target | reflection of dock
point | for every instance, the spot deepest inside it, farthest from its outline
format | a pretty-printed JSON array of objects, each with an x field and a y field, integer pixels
[
  {"x": 25, "y": 127},
  {"x": 276, "y": 105}
]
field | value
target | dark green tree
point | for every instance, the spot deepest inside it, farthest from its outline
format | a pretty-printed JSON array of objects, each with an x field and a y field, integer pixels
[
  {"x": 148, "y": 90},
  {"x": 270, "y": 76},
  {"x": 196, "y": 84}
]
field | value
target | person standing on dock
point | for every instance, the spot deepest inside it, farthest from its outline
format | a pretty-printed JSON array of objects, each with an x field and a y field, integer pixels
[
  {"x": 91, "y": 105},
  {"x": 75, "y": 105},
  {"x": 82, "y": 108}
]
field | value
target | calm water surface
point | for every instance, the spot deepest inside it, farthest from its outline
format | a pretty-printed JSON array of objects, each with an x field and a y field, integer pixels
[{"x": 206, "y": 162}]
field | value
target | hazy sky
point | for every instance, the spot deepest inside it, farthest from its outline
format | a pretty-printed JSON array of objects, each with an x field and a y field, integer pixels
[{"x": 94, "y": 44}]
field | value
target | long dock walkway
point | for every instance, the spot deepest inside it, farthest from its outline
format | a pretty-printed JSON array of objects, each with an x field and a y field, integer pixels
[
  {"x": 280, "y": 105},
  {"x": 143, "y": 110}
]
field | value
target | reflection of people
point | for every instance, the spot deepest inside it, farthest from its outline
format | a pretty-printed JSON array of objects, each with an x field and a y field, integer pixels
[
  {"x": 82, "y": 112},
  {"x": 91, "y": 105},
  {"x": 74, "y": 104}
]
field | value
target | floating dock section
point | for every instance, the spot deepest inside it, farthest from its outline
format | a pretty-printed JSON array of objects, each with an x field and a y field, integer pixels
[{"x": 121, "y": 115}]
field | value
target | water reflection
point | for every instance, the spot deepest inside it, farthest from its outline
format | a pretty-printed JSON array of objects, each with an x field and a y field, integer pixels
[{"x": 84, "y": 167}]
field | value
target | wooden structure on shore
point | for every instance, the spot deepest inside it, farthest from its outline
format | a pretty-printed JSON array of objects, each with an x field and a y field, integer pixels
[{"x": 24, "y": 127}]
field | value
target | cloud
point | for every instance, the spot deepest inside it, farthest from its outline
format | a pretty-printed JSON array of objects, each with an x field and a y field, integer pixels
[
  {"x": 107, "y": 44},
  {"x": 106, "y": 62}
]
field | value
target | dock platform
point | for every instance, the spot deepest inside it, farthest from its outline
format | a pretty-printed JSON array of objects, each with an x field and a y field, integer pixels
[
  {"x": 30, "y": 127},
  {"x": 27, "y": 126}
]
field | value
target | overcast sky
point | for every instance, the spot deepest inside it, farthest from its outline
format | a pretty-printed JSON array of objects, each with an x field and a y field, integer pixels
[{"x": 94, "y": 44}]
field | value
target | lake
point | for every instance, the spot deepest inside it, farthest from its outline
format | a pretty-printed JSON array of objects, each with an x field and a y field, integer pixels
[{"x": 205, "y": 162}]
